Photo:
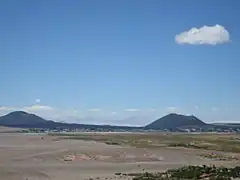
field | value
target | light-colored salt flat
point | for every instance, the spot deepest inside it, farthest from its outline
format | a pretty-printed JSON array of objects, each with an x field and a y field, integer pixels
[{"x": 32, "y": 157}]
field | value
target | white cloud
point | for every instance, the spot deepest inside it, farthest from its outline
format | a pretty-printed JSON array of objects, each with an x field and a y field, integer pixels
[
  {"x": 34, "y": 108},
  {"x": 38, "y": 108},
  {"x": 172, "y": 109},
  {"x": 44, "y": 111},
  {"x": 132, "y": 110},
  {"x": 212, "y": 35},
  {"x": 4, "y": 108},
  {"x": 37, "y": 100}
]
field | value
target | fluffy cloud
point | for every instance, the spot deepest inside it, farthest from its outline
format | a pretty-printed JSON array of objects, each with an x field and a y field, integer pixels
[
  {"x": 37, "y": 100},
  {"x": 212, "y": 35}
]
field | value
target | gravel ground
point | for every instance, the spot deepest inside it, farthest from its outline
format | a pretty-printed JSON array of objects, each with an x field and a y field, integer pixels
[{"x": 31, "y": 157}]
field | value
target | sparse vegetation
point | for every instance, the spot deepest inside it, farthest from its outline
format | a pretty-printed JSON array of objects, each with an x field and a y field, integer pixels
[
  {"x": 186, "y": 145},
  {"x": 112, "y": 143},
  {"x": 193, "y": 173},
  {"x": 218, "y": 142},
  {"x": 221, "y": 157}
]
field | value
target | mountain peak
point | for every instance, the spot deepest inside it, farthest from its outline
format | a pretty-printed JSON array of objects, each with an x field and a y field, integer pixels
[
  {"x": 174, "y": 120},
  {"x": 18, "y": 113},
  {"x": 19, "y": 118},
  {"x": 177, "y": 114}
]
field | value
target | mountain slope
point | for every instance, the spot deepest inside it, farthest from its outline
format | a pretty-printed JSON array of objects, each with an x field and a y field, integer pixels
[
  {"x": 20, "y": 118},
  {"x": 172, "y": 121}
]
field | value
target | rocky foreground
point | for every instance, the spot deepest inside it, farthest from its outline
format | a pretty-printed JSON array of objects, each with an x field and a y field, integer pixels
[{"x": 192, "y": 172}]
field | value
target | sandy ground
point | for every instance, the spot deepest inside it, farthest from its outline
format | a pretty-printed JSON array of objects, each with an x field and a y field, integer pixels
[
  {"x": 6, "y": 129},
  {"x": 35, "y": 157}
]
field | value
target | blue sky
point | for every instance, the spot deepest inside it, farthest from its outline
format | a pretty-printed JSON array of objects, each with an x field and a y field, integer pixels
[{"x": 124, "y": 62}]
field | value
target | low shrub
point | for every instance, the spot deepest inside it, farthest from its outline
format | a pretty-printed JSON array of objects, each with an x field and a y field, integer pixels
[{"x": 193, "y": 173}]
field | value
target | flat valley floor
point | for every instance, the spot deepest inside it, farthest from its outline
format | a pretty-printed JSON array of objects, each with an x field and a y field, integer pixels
[{"x": 37, "y": 157}]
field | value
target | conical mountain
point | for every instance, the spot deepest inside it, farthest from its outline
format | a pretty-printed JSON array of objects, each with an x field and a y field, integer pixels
[
  {"x": 173, "y": 120},
  {"x": 20, "y": 118}
]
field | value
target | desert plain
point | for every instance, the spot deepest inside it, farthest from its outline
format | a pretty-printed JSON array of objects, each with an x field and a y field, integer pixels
[{"x": 85, "y": 156}]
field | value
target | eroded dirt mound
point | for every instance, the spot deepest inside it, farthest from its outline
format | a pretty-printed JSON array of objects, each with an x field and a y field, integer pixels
[{"x": 117, "y": 156}]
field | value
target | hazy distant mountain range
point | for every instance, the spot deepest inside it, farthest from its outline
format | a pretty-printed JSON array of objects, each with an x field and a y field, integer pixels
[{"x": 170, "y": 121}]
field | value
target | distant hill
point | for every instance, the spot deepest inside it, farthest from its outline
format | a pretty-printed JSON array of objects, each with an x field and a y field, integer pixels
[
  {"x": 173, "y": 121},
  {"x": 23, "y": 119},
  {"x": 227, "y": 124},
  {"x": 20, "y": 118}
]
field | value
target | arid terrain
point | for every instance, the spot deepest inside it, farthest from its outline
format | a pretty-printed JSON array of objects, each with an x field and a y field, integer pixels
[{"x": 62, "y": 157}]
